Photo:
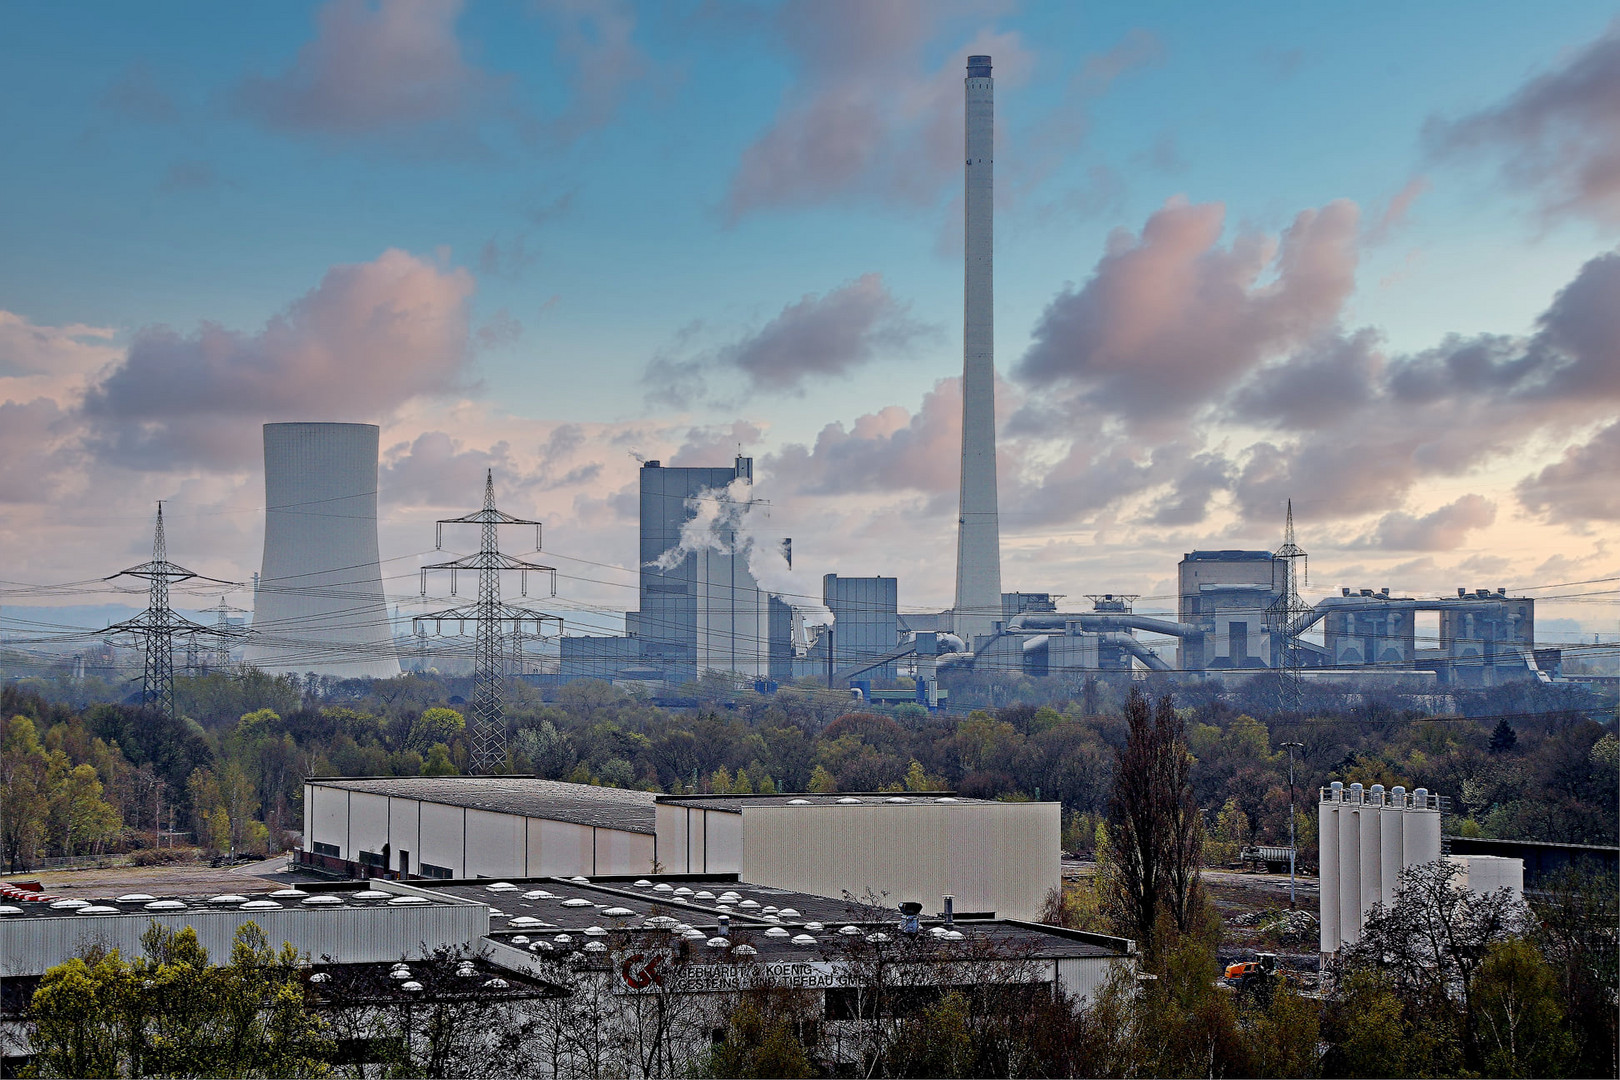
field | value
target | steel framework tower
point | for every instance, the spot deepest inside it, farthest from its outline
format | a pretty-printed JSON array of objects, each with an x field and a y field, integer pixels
[
  {"x": 1287, "y": 613},
  {"x": 159, "y": 625},
  {"x": 486, "y": 724},
  {"x": 978, "y": 529},
  {"x": 222, "y": 628}
]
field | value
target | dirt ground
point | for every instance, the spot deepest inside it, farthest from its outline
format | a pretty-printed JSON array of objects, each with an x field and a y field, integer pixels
[
  {"x": 183, "y": 879},
  {"x": 1237, "y": 893}
]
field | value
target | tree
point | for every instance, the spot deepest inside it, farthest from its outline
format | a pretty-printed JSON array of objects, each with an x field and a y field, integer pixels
[
  {"x": 1504, "y": 738},
  {"x": 79, "y": 815},
  {"x": 1521, "y": 1029},
  {"x": 1155, "y": 832},
  {"x": 23, "y": 791},
  {"x": 436, "y": 725},
  {"x": 171, "y": 1013},
  {"x": 437, "y": 762},
  {"x": 1433, "y": 941}
]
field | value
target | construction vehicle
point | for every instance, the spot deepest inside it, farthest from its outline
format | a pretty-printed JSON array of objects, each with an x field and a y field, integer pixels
[{"x": 1253, "y": 976}]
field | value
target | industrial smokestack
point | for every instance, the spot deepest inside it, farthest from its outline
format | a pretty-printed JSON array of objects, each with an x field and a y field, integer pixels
[
  {"x": 319, "y": 604},
  {"x": 978, "y": 529}
]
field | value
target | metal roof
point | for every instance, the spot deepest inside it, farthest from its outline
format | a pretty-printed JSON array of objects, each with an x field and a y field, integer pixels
[
  {"x": 580, "y": 804},
  {"x": 736, "y": 803},
  {"x": 544, "y": 917}
]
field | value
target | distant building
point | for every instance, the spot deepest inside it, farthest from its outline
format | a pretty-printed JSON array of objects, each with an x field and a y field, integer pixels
[{"x": 1226, "y": 594}]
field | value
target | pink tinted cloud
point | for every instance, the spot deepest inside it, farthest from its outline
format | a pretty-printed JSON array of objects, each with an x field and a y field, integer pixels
[
  {"x": 371, "y": 69},
  {"x": 1582, "y": 486},
  {"x": 368, "y": 338},
  {"x": 1170, "y": 318},
  {"x": 1556, "y": 137},
  {"x": 1442, "y": 529},
  {"x": 868, "y": 114}
]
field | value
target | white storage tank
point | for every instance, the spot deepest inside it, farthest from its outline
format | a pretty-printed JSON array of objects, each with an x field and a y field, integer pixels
[
  {"x": 1389, "y": 843},
  {"x": 1372, "y": 863},
  {"x": 1350, "y": 866},
  {"x": 1327, "y": 832}
]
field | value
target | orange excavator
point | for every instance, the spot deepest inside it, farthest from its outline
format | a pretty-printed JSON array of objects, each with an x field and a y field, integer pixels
[{"x": 1258, "y": 975}]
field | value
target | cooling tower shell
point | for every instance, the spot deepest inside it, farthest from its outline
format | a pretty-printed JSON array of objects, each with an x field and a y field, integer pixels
[{"x": 320, "y": 605}]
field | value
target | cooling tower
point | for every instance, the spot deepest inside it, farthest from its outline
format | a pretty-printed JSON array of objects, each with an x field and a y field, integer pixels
[
  {"x": 319, "y": 605},
  {"x": 978, "y": 536}
]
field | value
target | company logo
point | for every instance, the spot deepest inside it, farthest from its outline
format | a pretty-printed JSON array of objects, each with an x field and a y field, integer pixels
[{"x": 639, "y": 972}]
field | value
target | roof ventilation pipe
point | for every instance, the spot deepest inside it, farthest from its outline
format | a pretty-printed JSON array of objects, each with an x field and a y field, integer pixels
[
  {"x": 908, "y": 916},
  {"x": 950, "y": 910},
  {"x": 725, "y": 926}
]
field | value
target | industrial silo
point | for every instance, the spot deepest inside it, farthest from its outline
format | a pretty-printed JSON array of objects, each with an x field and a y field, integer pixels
[{"x": 319, "y": 603}]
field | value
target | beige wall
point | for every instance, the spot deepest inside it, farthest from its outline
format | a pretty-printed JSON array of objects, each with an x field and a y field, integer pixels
[
  {"x": 1001, "y": 857},
  {"x": 693, "y": 840},
  {"x": 470, "y": 842}
]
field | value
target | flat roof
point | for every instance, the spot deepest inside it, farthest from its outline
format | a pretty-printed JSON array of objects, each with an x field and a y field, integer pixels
[
  {"x": 325, "y": 898},
  {"x": 539, "y": 909},
  {"x": 528, "y": 796},
  {"x": 1227, "y": 555},
  {"x": 736, "y": 803}
]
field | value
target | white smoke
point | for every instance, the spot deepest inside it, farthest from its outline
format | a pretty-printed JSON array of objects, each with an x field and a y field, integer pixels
[{"x": 729, "y": 520}]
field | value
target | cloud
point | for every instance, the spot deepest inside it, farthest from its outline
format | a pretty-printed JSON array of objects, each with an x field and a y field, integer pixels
[
  {"x": 1169, "y": 319},
  {"x": 27, "y": 348},
  {"x": 1440, "y": 530},
  {"x": 815, "y": 337},
  {"x": 891, "y": 450},
  {"x": 189, "y": 176},
  {"x": 388, "y": 70},
  {"x": 596, "y": 38},
  {"x": 1400, "y": 204},
  {"x": 1581, "y": 487},
  {"x": 868, "y": 115},
  {"x": 368, "y": 338},
  {"x": 136, "y": 95},
  {"x": 1557, "y": 136}
]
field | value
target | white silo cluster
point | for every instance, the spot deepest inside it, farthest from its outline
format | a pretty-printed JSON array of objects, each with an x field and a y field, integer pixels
[{"x": 1366, "y": 838}]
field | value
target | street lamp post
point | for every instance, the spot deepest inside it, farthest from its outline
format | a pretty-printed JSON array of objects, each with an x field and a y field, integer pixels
[{"x": 1293, "y": 845}]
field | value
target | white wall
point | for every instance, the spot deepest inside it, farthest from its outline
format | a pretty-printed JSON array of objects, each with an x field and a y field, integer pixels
[{"x": 1001, "y": 857}]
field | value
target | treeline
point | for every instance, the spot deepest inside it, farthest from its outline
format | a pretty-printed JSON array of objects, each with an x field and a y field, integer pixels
[{"x": 108, "y": 777}]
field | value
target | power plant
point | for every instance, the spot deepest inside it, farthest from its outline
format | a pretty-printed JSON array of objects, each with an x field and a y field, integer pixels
[
  {"x": 713, "y": 595},
  {"x": 319, "y": 605}
]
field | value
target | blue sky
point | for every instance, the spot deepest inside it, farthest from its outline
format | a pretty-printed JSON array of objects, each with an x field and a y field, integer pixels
[{"x": 587, "y": 190}]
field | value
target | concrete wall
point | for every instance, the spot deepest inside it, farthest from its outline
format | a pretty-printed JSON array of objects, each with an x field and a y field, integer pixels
[
  {"x": 465, "y": 841},
  {"x": 1001, "y": 857}
]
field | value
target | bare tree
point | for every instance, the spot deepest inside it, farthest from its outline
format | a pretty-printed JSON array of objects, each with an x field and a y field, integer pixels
[{"x": 1154, "y": 827}]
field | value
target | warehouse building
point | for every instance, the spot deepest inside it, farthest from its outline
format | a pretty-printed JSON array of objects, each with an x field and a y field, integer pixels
[
  {"x": 994, "y": 857},
  {"x": 474, "y": 826},
  {"x": 347, "y": 923}
]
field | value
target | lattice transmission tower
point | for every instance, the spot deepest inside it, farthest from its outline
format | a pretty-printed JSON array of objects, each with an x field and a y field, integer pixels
[
  {"x": 224, "y": 633},
  {"x": 486, "y": 722},
  {"x": 1287, "y": 615},
  {"x": 159, "y": 625}
]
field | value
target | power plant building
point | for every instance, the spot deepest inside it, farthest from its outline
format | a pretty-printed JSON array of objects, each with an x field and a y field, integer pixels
[
  {"x": 319, "y": 604},
  {"x": 1226, "y": 595},
  {"x": 704, "y": 611}
]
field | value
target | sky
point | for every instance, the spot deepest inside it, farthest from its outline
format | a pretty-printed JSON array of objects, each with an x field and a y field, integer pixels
[{"x": 1360, "y": 256}]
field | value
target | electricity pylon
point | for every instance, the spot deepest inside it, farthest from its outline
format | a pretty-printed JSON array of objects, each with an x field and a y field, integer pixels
[
  {"x": 224, "y": 634},
  {"x": 1287, "y": 614},
  {"x": 486, "y": 722},
  {"x": 159, "y": 625}
]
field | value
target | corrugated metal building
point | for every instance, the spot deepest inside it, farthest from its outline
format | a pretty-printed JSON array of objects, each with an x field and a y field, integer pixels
[
  {"x": 475, "y": 826},
  {"x": 997, "y": 857},
  {"x": 354, "y": 925}
]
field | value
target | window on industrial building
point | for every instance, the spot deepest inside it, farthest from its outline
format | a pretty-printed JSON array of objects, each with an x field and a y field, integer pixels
[
  {"x": 326, "y": 849},
  {"x": 372, "y": 858},
  {"x": 429, "y": 870}
]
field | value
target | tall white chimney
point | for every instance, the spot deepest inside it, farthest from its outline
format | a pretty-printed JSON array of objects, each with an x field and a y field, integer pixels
[{"x": 978, "y": 530}]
